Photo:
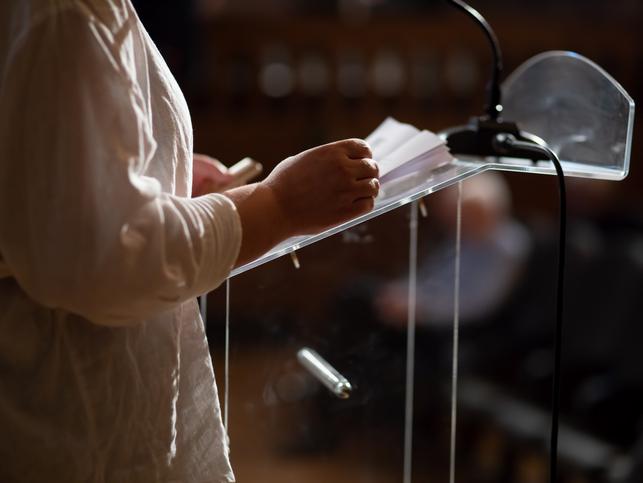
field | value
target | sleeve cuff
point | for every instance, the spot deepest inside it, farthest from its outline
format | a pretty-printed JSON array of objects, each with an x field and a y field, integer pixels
[{"x": 221, "y": 240}]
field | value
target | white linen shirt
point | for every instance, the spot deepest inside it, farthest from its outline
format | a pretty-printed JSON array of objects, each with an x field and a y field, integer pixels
[{"x": 105, "y": 374}]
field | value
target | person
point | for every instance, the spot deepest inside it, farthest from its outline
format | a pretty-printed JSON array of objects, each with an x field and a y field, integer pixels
[
  {"x": 105, "y": 374},
  {"x": 494, "y": 251}
]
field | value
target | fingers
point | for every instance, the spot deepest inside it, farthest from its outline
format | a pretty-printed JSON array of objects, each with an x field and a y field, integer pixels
[
  {"x": 364, "y": 194},
  {"x": 209, "y": 176},
  {"x": 362, "y": 206},
  {"x": 366, "y": 188},
  {"x": 364, "y": 168},
  {"x": 355, "y": 148},
  {"x": 222, "y": 167},
  {"x": 208, "y": 160}
]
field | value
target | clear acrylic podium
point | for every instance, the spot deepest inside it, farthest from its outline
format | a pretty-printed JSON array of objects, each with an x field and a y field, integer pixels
[{"x": 353, "y": 302}]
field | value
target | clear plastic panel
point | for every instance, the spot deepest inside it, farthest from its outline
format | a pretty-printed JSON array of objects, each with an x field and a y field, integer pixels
[
  {"x": 584, "y": 115},
  {"x": 394, "y": 194},
  {"x": 348, "y": 302},
  {"x": 289, "y": 420}
]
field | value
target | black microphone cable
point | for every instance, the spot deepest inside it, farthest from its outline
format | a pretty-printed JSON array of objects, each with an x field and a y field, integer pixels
[
  {"x": 508, "y": 143},
  {"x": 491, "y": 137}
]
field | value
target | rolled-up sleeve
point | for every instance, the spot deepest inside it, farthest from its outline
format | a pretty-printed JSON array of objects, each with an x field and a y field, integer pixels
[{"x": 81, "y": 228}]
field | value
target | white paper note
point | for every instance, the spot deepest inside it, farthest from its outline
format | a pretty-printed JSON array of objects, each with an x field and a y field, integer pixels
[
  {"x": 419, "y": 145},
  {"x": 388, "y": 136}
]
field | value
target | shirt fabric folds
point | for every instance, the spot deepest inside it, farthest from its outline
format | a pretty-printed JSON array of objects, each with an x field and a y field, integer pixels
[{"x": 105, "y": 374}]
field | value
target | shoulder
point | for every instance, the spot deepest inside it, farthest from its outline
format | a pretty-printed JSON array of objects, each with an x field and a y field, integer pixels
[
  {"x": 57, "y": 32},
  {"x": 109, "y": 17}
]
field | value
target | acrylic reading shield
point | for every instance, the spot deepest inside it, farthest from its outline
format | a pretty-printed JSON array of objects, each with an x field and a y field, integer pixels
[
  {"x": 578, "y": 109},
  {"x": 583, "y": 114},
  {"x": 370, "y": 277}
]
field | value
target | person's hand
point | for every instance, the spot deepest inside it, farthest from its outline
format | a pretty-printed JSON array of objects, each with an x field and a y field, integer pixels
[
  {"x": 208, "y": 176},
  {"x": 325, "y": 186},
  {"x": 306, "y": 193}
]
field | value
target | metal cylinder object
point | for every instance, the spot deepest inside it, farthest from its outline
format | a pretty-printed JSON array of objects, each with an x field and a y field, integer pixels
[{"x": 324, "y": 372}]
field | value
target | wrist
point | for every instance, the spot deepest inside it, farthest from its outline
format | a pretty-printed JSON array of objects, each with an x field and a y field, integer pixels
[
  {"x": 277, "y": 219},
  {"x": 263, "y": 221}
]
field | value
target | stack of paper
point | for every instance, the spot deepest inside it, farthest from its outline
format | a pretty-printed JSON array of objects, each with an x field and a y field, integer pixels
[{"x": 402, "y": 149}]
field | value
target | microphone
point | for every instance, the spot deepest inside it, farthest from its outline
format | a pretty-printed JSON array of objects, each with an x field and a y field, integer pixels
[
  {"x": 494, "y": 105},
  {"x": 490, "y": 135},
  {"x": 479, "y": 136}
]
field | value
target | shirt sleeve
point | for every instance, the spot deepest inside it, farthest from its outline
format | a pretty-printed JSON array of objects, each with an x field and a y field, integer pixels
[{"x": 81, "y": 228}]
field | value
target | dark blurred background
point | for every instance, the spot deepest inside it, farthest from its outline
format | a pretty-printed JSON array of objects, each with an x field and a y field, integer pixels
[{"x": 269, "y": 79}]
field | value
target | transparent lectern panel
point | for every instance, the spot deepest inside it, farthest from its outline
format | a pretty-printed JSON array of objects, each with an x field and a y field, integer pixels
[
  {"x": 584, "y": 115},
  {"x": 578, "y": 109},
  {"x": 348, "y": 305}
]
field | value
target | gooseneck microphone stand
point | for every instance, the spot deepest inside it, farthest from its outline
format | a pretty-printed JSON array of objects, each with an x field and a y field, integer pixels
[{"x": 491, "y": 136}]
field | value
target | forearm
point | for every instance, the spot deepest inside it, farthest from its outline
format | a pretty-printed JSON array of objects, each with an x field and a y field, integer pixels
[
  {"x": 305, "y": 194},
  {"x": 262, "y": 221},
  {"x": 117, "y": 268}
]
